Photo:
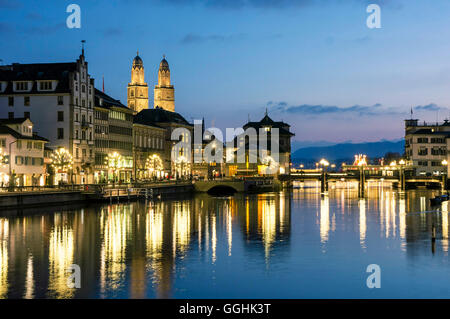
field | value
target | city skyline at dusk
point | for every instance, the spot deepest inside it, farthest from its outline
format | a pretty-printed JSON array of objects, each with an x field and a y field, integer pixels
[{"x": 291, "y": 57}]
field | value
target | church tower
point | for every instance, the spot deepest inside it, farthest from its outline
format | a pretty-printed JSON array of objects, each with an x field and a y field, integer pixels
[
  {"x": 137, "y": 95},
  {"x": 164, "y": 91}
]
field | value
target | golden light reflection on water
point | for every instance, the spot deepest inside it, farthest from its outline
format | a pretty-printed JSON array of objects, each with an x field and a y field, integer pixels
[
  {"x": 154, "y": 232},
  {"x": 267, "y": 215},
  {"x": 115, "y": 225},
  {"x": 154, "y": 244},
  {"x": 362, "y": 223},
  {"x": 61, "y": 248},
  {"x": 4, "y": 234},
  {"x": 29, "y": 282},
  {"x": 444, "y": 212},
  {"x": 324, "y": 219},
  {"x": 181, "y": 226}
]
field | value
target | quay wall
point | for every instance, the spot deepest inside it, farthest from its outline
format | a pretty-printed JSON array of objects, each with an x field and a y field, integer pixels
[{"x": 34, "y": 199}]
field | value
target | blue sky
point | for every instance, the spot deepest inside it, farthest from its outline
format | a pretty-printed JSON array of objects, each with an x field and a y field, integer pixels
[{"x": 312, "y": 63}]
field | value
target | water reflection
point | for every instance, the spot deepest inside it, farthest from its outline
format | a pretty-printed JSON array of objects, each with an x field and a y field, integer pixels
[{"x": 198, "y": 246}]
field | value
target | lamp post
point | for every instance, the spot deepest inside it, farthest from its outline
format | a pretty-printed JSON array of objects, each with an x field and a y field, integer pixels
[
  {"x": 402, "y": 175},
  {"x": 444, "y": 175},
  {"x": 324, "y": 184}
]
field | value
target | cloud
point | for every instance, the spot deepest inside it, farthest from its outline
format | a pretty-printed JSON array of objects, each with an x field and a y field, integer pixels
[
  {"x": 327, "y": 109},
  {"x": 196, "y": 38},
  {"x": 359, "y": 110},
  {"x": 429, "y": 107}
]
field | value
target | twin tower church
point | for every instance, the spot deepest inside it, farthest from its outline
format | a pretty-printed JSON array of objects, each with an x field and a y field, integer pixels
[{"x": 137, "y": 95}]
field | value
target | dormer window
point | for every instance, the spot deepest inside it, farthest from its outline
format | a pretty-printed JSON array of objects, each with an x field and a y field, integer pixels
[
  {"x": 45, "y": 86},
  {"x": 21, "y": 86}
]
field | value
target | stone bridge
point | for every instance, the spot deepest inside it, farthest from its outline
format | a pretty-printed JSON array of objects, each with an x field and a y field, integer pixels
[{"x": 234, "y": 185}]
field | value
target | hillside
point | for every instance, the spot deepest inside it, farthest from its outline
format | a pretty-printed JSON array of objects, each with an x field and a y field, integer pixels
[{"x": 348, "y": 150}]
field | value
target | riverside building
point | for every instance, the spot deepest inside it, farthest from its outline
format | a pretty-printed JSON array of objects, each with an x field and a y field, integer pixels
[
  {"x": 59, "y": 99},
  {"x": 426, "y": 147}
]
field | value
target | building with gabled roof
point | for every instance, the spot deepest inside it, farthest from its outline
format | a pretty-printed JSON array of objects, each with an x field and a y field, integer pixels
[
  {"x": 23, "y": 153},
  {"x": 59, "y": 99}
]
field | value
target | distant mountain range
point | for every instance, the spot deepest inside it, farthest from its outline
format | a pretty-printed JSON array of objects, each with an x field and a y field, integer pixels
[{"x": 346, "y": 151}]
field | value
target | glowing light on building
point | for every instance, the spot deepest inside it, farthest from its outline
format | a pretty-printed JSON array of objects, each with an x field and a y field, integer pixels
[
  {"x": 154, "y": 165},
  {"x": 61, "y": 160},
  {"x": 360, "y": 160}
]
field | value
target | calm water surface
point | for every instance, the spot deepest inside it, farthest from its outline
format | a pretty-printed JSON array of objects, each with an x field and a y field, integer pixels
[{"x": 278, "y": 245}]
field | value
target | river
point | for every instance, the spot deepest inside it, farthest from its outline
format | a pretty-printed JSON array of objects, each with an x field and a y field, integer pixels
[{"x": 292, "y": 244}]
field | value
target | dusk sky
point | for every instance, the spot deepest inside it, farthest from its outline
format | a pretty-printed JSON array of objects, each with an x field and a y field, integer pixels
[{"x": 313, "y": 63}]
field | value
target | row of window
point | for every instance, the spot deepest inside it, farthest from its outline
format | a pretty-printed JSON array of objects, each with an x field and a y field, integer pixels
[
  {"x": 27, "y": 160},
  {"x": 27, "y": 99},
  {"x": 147, "y": 141},
  {"x": 83, "y": 103},
  {"x": 83, "y": 153},
  {"x": 83, "y": 135},
  {"x": 433, "y": 151},
  {"x": 433, "y": 140},
  {"x": 432, "y": 163},
  {"x": 120, "y": 130}
]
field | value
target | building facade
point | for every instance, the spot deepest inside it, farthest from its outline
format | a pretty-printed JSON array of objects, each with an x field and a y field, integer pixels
[
  {"x": 113, "y": 123},
  {"x": 164, "y": 94},
  {"x": 59, "y": 99},
  {"x": 267, "y": 165},
  {"x": 148, "y": 150},
  {"x": 137, "y": 91},
  {"x": 23, "y": 153},
  {"x": 169, "y": 121},
  {"x": 426, "y": 146}
]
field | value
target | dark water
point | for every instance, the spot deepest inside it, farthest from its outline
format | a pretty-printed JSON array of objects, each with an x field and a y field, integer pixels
[{"x": 277, "y": 245}]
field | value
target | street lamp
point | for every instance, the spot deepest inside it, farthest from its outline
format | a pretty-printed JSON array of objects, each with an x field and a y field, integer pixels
[
  {"x": 402, "y": 174},
  {"x": 324, "y": 185}
]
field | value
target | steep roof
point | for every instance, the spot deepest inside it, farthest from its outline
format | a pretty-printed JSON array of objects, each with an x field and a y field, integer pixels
[
  {"x": 35, "y": 72},
  {"x": 16, "y": 120},
  {"x": 159, "y": 115},
  {"x": 267, "y": 121},
  {"x": 7, "y": 130},
  {"x": 108, "y": 101}
]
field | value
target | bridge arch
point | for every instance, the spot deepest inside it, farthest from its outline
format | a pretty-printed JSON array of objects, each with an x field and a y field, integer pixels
[{"x": 222, "y": 190}]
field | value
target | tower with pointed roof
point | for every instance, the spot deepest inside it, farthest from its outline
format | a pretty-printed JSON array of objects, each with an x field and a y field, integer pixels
[
  {"x": 137, "y": 95},
  {"x": 164, "y": 91}
]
